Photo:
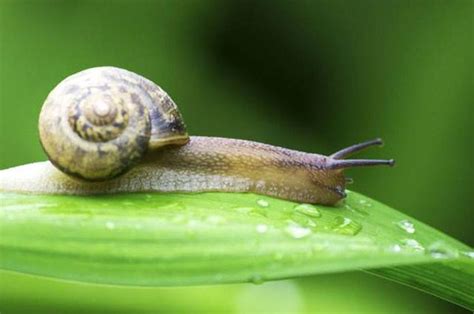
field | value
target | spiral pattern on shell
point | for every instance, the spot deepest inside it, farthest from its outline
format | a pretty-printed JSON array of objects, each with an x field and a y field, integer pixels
[{"x": 97, "y": 123}]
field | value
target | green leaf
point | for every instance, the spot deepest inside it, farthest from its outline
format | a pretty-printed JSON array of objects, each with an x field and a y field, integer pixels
[{"x": 209, "y": 238}]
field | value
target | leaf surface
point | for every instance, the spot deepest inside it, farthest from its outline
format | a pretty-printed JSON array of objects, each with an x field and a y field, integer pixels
[{"x": 209, "y": 238}]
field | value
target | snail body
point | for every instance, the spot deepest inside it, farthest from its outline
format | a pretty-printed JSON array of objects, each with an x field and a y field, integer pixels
[{"x": 151, "y": 136}]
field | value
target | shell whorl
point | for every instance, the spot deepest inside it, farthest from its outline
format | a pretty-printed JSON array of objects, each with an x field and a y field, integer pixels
[{"x": 97, "y": 123}]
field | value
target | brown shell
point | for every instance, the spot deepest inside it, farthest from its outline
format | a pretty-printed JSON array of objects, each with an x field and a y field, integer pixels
[{"x": 96, "y": 123}]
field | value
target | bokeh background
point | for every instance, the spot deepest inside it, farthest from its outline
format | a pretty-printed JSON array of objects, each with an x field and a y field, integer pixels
[{"x": 310, "y": 75}]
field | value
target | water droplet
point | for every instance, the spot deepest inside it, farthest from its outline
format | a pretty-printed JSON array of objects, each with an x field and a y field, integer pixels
[
  {"x": 469, "y": 254},
  {"x": 257, "y": 279},
  {"x": 440, "y": 250},
  {"x": 297, "y": 231},
  {"x": 396, "y": 248},
  {"x": 344, "y": 225},
  {"x": 261, "y": 228},
  {"x": 365, "y": 203},
  {"x": 110, "y": 225},
  {"x": 303, "y": 220},
  {"x": 262, "y": 203},
  {"x": 308, "y": 210},
  {"x": 407, "y": 226},
  {"x": 413, "y": 244}
]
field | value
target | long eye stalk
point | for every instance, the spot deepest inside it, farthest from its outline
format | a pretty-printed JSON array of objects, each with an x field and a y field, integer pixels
[
  {"x": 345, "y": 152},
  {"x": 351, "y": 163}
]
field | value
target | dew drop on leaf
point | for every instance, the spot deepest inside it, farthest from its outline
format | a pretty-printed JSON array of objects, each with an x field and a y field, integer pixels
[
  {"x": 469, "y": 254},
  {"x": 395, "y": 248},
  {"x": 303, "y": 220},
  {"x": 344, "y": 225},
  {"x": 262, "y": 203},
  {"x": 440, "y": 250},
  {"x": 261, "y": 228},
  {"x": 413, "y": 244},
  {"x": 365, "y": 203},
  {"x": 308, "y": 210},
  {"x": 110, "y": 225},
  {"x": 297, "y": 231},
  {"x": 407, "y": 226}
]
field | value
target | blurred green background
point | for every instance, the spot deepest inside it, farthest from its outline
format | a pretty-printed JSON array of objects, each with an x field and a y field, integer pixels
[{"x": 309, "y": 75}]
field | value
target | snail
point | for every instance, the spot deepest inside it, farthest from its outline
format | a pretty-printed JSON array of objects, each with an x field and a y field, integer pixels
[{"x": 110, "y": 130}]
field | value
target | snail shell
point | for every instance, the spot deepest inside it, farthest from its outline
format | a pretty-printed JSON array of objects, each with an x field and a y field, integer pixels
[{"x": 97, "y": 123}]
